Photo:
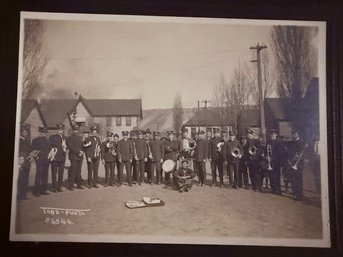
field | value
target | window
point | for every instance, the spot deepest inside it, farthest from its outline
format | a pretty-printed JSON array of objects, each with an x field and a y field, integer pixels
[
  {"x": 108, "y": 121},
  {"x": 128, "y": 121},
  {"x": 118, "y": 121}
]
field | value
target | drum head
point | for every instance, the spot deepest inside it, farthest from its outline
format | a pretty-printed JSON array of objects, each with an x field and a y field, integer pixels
[{"x": 168, "y": 165}]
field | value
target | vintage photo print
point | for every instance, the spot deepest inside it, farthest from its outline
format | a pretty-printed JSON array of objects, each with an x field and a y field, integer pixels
[{"x": 175, "y": 130}]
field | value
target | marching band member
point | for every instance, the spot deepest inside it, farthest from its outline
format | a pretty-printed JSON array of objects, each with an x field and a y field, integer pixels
[
  {"x": 215, "y": 153},
  {"x": 243, "y": 177},
  {"x": 183, "y": 177},
  {"x": 125, "y": 156},
  {"x": 171, "y": 150},
  {"x": 140, "y": 148},
  {"x": 24, "y": 162},
  {"x": 157, "y": 149},
  {"x": 58, "y": 142},
  {"x": 295, "y": 151},
  {"x": 148, "y": 162},
  {"x": 185, "y": 152},
  {"x": 254, "y": 163},
  {"x": 42, "y": 145},
  {"x": 273, "y": 156},
  {"x": 75, "y": 146},
  {"x": 92, "y": 147},
  {"x": 108, "y": 158},
  {"x": 200, "y": 157},
  {"x": 133, "y": 137},
  {"x": 232, "y": 153}
]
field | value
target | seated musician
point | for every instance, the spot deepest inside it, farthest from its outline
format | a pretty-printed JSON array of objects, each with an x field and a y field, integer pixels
[{"x": 183, "y": 177}]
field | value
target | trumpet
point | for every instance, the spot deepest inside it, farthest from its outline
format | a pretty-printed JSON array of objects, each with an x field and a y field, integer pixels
[
  {"x": 269, "y": 157},
  {"x": 110, "y": 146},
  {"x": 220, "y": 146},
  {"x": 236, "y": 152},
  {"x": 52, "y": 154},
  {"x": 252, "y": 150}
]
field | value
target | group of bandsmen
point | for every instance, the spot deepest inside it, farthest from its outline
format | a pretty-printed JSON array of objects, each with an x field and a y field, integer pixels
[{"x": 142, "y": 154}]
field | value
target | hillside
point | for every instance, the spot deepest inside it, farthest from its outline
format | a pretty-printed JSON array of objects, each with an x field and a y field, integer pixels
[{"x": 162, "y": 119}]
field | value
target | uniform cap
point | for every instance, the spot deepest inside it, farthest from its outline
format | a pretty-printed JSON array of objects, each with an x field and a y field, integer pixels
[
  {"x": 125, "y": 133},
  {"x": 94, "y": 128},
  {"x": 109, "y": 134}
]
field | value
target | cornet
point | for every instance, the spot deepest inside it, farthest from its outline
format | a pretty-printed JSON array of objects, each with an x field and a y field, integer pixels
[{"x": 52, "y": 154}]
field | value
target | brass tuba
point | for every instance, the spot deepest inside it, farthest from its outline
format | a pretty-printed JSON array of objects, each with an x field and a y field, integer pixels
[
  {"x": 191, "y": 144},
  {"x": 236, "y": 152}
]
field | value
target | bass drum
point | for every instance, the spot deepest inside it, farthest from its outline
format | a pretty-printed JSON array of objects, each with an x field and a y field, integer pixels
[{"x": 168, "y": 166}]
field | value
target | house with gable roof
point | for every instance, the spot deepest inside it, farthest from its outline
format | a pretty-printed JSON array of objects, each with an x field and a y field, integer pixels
[{"x": 31, "y": 116}]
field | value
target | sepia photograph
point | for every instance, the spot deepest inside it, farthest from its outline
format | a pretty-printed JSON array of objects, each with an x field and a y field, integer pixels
[{"x": 173, "y": 130}]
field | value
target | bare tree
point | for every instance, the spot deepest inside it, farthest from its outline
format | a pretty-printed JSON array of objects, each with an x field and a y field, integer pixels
[
  {"x": 177, "y": 112},
  {"x": 34, "y": 59},
  {"x": 295, "y": 61}
]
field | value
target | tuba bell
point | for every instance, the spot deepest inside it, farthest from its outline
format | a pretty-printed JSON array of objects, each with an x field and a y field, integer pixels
[
  {"x": 191, "y": 144},
  {"x": 236, "y": 152}
]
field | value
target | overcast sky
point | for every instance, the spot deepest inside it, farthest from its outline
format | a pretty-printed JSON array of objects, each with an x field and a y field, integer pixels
[{"x": 154, "y": 60}]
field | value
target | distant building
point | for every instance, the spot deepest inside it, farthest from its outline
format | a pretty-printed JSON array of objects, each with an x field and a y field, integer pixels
[
  {"x": 210, "y": 118},
  {"x": 32, "y": 116},
  {"x": 249, "y": 118},
  {"x": 58, "y": 111},
  {"x": 113, "y": 115}
]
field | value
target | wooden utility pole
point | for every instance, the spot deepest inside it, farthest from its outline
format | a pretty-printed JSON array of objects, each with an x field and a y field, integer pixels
[
  {"x": 206, "y": 102},
  {"x": 258, "y": 49},
  {"x": 198, "y": 115}
]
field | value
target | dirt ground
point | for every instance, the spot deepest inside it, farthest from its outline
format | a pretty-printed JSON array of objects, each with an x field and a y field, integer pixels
[{"x": 204, "y": 211}]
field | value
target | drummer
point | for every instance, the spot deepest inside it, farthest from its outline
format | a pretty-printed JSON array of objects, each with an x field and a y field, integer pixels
[
  {"x": 171, "y": 150},
  {"x": 183, "y": 177}
]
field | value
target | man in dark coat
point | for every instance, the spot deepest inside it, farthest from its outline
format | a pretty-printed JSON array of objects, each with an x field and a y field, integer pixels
[
  {"x": 183, "y": 177},
  {"x": 74, "y": 144},
  {"x": 24, "y": 162},
  {"x": 232, "y": 152},
  {"x": 200, "y": 157},
  {"x": 133, "y": 137},
  {"x": 58, "y": 142},
  {"x": 125, "y": 156},
  {"x": 148, "y": 162},
  {"x": 157, "y": 149},
  {"x": 295, "y": 156},
  {"x": 171, "y": 151},
  {"x": 254, "y": 163},
  {"x": 108, "y": 158},
  {"x": 42, "y": 145},
  {"x": 140, "y": 148},
  {"x": 243, "y": 176},
  {"x": 92, "y": 147},
  {"x": 215, "y": 155}
]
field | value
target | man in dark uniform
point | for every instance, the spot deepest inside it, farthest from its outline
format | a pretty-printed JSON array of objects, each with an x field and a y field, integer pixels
[
  {"x": 295, "y": 151},
  {"x": 133, "y": 137},
  {"x": 140, "y": 155},
  {"x": 171, "y": 150},
  {"x": 157, "y": 150},
  {"x": 243, "y": 178},
  {"x": 232, "y": 153},
  {"x": 148, "y": 162},
  {"x": 254, "y": 163},
  {"x": 125, "y": 155},
  {"x": 183, "y": 177},
  {"x": 200, "y": 157},
  {"x": 273, "y": 154},
  {"x": 74, "y": 144},
  {"x": 92, "y": 147},
  {"x": 58, "y": 142},
  {"x": 42, "y": 145},
  {"x": 24, "y": 162},
  {"x": 108, "y": 158},
  {"x": 215, "y": 154}
]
